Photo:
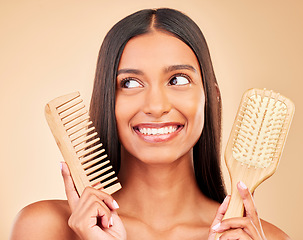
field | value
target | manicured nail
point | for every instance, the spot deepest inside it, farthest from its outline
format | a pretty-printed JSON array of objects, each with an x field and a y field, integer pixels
[
  {"x": 61, "y": 166},
  {"x": 115, "y": 204},
  {"x": 216, "y": 226},
  {"x": 111, "y": 222},
  {"x": 242, "y": 185}
]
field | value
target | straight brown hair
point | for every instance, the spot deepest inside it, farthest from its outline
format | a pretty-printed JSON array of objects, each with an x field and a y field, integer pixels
[{"x": 102, "y": 108}]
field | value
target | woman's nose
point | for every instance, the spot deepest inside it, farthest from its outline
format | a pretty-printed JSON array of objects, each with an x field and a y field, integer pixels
[{"x": 157, "y": 102}]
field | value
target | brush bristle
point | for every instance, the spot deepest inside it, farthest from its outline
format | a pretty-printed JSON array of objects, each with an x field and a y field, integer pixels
[{"x": 260, "y": 126}]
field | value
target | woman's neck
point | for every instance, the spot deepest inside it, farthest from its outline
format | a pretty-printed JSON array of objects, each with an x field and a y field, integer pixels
[{"x": 151, "y": 191}]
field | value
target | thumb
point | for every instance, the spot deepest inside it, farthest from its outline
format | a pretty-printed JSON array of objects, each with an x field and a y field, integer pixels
[{"x": 70, "y": 190}]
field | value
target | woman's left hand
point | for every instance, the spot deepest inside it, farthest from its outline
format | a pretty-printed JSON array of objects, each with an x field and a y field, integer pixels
[{"x": 247, "y": 227}]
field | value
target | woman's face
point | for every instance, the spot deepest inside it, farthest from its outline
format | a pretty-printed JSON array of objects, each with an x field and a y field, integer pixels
[{"x": 159, "y": 98}]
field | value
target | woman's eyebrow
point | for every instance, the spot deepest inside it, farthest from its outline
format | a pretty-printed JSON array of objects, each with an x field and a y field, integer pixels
[
  {"x": 130, "y": 70},
  {"x": 167, "y": 69},
  {"x": 180, "y": 67}
]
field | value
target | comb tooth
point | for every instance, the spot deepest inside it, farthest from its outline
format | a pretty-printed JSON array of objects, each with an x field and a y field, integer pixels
[
  {"x": 96, "y": 167},
  {"x": 99, "y": 173},
  {"x": 91, "y": 156},
  {"x": 87, "y": 165},
  {"x": 77, "y": 114},
  {"x": 77, "y": 121},
  {"x": 79, "y": 127},
  {"x": 72, "y": 110},
  {"x": 89, "y": 150},
  {"x": 76, "y": 137},
  {"x": 107, "y": 182},
  {"x": 84, "y": 138},
  {"x": 69, "y": 104},
  {"x": 85, "y": 144},
  {"x": 95, "y": 181}
]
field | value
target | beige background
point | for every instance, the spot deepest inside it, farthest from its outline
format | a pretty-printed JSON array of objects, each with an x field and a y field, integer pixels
[{"x": 49, "y": 48}]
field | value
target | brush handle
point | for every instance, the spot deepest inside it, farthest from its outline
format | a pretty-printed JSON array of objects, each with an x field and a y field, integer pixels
[{"x": 235, "y": 207}]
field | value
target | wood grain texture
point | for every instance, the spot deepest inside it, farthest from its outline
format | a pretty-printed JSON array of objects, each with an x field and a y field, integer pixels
[{"x": 75, "y": 136}]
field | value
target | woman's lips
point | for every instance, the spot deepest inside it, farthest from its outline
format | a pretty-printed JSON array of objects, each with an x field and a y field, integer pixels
[{"x": 160, "y": 132}]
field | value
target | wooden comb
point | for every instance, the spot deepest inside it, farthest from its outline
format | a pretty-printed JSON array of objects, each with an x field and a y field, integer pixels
[
  {"x": 81, "y": 149},
  {"x": 256, "y": 142}
]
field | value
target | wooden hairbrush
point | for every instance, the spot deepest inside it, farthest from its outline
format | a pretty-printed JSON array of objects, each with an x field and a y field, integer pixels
[
  {"x": 81, "y": 149},
  {"x": 256, "y": 142}
]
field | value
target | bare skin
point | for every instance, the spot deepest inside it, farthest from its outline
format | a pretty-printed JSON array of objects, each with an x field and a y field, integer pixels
[
  {"x": 158, "y": 85},
  {"x": 49, "y": 220}
]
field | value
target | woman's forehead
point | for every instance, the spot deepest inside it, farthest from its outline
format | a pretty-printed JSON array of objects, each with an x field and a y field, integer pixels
[{"x": 156, "y": 48}]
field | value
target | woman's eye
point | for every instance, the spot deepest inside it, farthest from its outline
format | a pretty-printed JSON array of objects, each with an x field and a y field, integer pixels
[
  {"x": 130, "y": 83},
  {"x": 179, "y": 80}
]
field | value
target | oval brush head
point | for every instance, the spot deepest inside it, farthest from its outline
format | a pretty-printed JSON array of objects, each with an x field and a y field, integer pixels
[{"x": 256, "y": 141}]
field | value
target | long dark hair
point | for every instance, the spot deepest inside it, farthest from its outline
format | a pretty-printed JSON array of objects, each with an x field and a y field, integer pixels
[{"x": 102, "y": 108}]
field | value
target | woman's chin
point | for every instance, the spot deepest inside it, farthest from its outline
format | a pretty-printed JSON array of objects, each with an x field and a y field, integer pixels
[{"x": 158, "y": 157}]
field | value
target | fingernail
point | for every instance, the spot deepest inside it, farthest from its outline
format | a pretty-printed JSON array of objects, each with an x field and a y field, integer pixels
[
  {"x": 115, "y": 204},
  {"x": 216, "y": 226},
  {"x": 111, "y": 222},
  {"x": 61, "y": 166},
  {"x": 242, "y": 185}
]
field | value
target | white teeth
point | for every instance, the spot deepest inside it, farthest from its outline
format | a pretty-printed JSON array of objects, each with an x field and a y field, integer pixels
[
  {"x": 166, "y": 130},
  {"x": 161, "y": 131},
  {"x": 158, "y": 131},
  {"x": 149, "y": 131}
]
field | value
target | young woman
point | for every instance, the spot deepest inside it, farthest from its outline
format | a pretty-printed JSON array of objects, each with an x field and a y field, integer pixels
[{"x": 157, "y": 107}]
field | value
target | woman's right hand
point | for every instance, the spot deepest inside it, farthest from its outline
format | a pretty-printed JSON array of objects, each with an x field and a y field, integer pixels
[{"x": 94, "y": 214}]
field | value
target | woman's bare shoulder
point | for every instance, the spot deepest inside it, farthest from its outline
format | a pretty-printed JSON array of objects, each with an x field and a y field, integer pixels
[
  {"x": 43, "y": 220},
  {"x": 273, "y": 232}
]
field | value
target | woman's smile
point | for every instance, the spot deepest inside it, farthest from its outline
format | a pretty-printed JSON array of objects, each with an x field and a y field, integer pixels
[{"x": 157, "y": 132}]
